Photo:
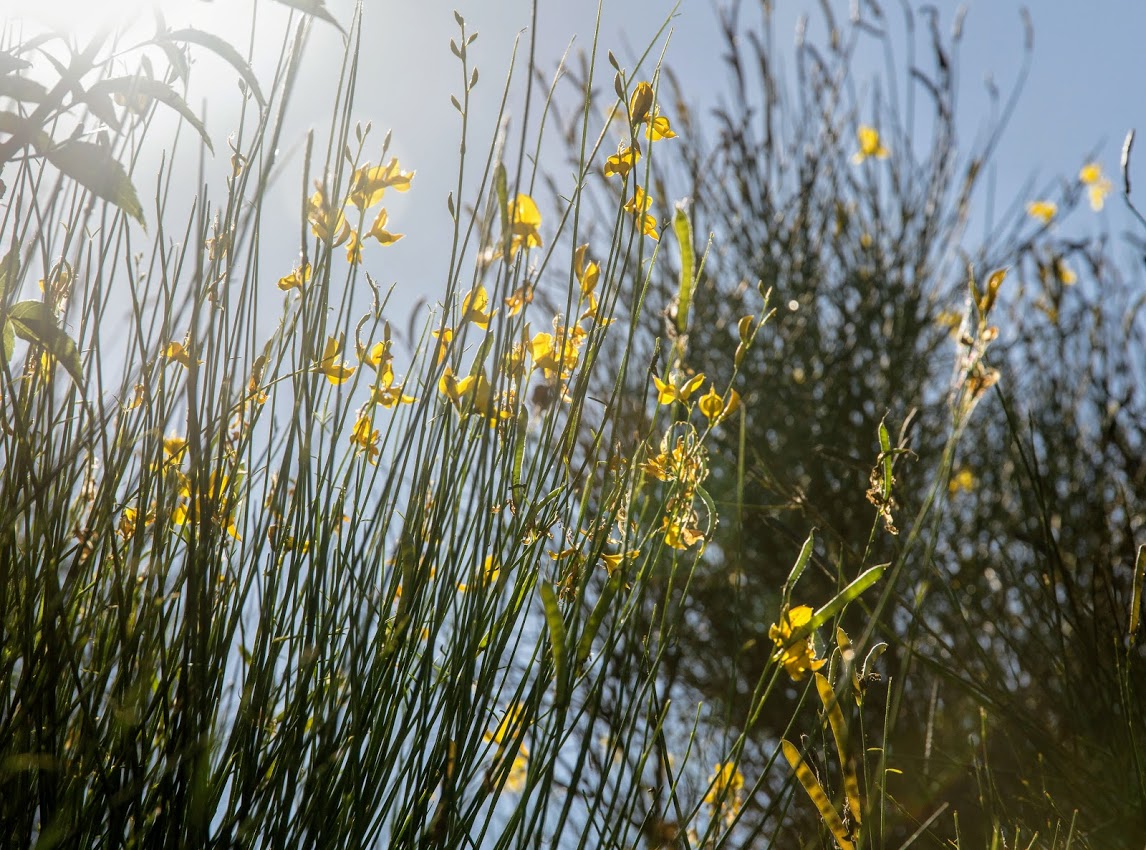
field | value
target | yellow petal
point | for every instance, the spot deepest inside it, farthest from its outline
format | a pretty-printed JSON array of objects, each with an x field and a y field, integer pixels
[
  {"x": 659, "y": 128},
  {"x": 622, "y": 162},
  {"x": 711, "y": 405},
  {"x": 1044, "y": 211},
  {"x": 691, "y": 385},
  {"x": 641, "y": 101}
]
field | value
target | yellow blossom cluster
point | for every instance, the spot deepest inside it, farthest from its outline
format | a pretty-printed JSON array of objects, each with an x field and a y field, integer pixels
[
  {"x": 642, "y": 110},
  {"x": 328, "y": 220},
  {"x": 725, "y": 795},
  {"x": 508, "y": 730},
  {"x": 681, "y": 461}
]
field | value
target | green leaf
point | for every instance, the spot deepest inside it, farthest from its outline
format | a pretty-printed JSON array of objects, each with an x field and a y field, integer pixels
[
  {"x": 556, "y": 641},
  {"x": 153, "y": 90},
  {"x": 862, "y": 582},
  {"x": 800, "y": 565},
  {"x": 682, "y": 226},
  {"x": 22, "y": 88},
  {"x": 9, "y": 271},
  {"x": 316, "y": 8},
  {"x": 15, "y": 125},
  {"x": 603, "y": 606},
  {"x": 8, "y": 334},
  {"x": 94, "y": 168},
  {"x": 227, "y": 53},
  {"x": 34, "y": 322}
]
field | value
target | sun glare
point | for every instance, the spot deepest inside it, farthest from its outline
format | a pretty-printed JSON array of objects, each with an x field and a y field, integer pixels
[{"x": 77, "y": 15}]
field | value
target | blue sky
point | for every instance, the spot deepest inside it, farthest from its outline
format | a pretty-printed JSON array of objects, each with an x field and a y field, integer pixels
[{"x": 1083, "y": 93}]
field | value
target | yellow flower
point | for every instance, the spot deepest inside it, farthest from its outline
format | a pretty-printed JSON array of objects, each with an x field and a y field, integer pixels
[
  {"x": 1044, "y": 211},
  {"x": 623, "y": 160},
  {"x": 127, "y": 521},
  {"x": 642, "y": 111},
  {"x": 869, "y": 145},
  {"x": 297, "y": 279},
  {"x": 474, "y": 394},
  {"x": 556, "y": 354},
  {"x": 658, "y": 128},
  {"x": 637, "y": 205},
  {"x": 178, "y": 352},
  {"x": 138, "y": 395},
  {"x": 384, "y": 392},
  {"x": 681, "y": 533},
  {"x": 725, "y": 791},
  {"x": 798, "y": 657},
  {"x": 444, "y": 337},
  {"x": 524, "y": 224},
  {"x": 667, "y": 393},
  {"x": 378, "y": 229},
  {"x": 588, "y": 273},
  {"x": 475, "y": 307},
  {"x": 354, "y": 248},
  {"x": 490, "y": 572},
  {"x": 175, "y": 448},
  {"x": 364, "y": 439},
  {"x": 452, "y": 388},
  {"x": 326, "y": 222},
  {"x": 378, "y": 355},
  {"x": 641, "y": 102},
  {"x": 714, "y": 407},
  {"x": 1064, "y": 273},
  {"x": 222, "y": 512},
  {"x": 1098, "y": 187},
  {"x": 506, "y": 732},
  {"x": 368, "y": 185},
  {"x": 336, "y": 371},
  {"x": 613, "y": 560},
  {"x": 519, "y": 298},
  {"x": 963, "y": 480}
]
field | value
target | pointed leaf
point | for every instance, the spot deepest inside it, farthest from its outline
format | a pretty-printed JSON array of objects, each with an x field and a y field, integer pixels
[
  {"x": 34, "y": 322},
  {"x": 16, "y": 125},
  {"x": 176, "y": 58},
  {"x": 22, "y": 88},
  {"x": 316, "y": 8},
  {"x": 9, "y": 271},
  {"x": 556, "y": 641},
  {"x": 8, "y": 341},
  {"x": 817, "y": 795},
  {"x": 94, "y": 168},
  {"x": 800, "y": 565},
  {"x": 227, "y": 53},
  {"x": 862, "y": 582},
  {"x": 154, "y": 90},
  {"x": 10, "y": 62}
]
